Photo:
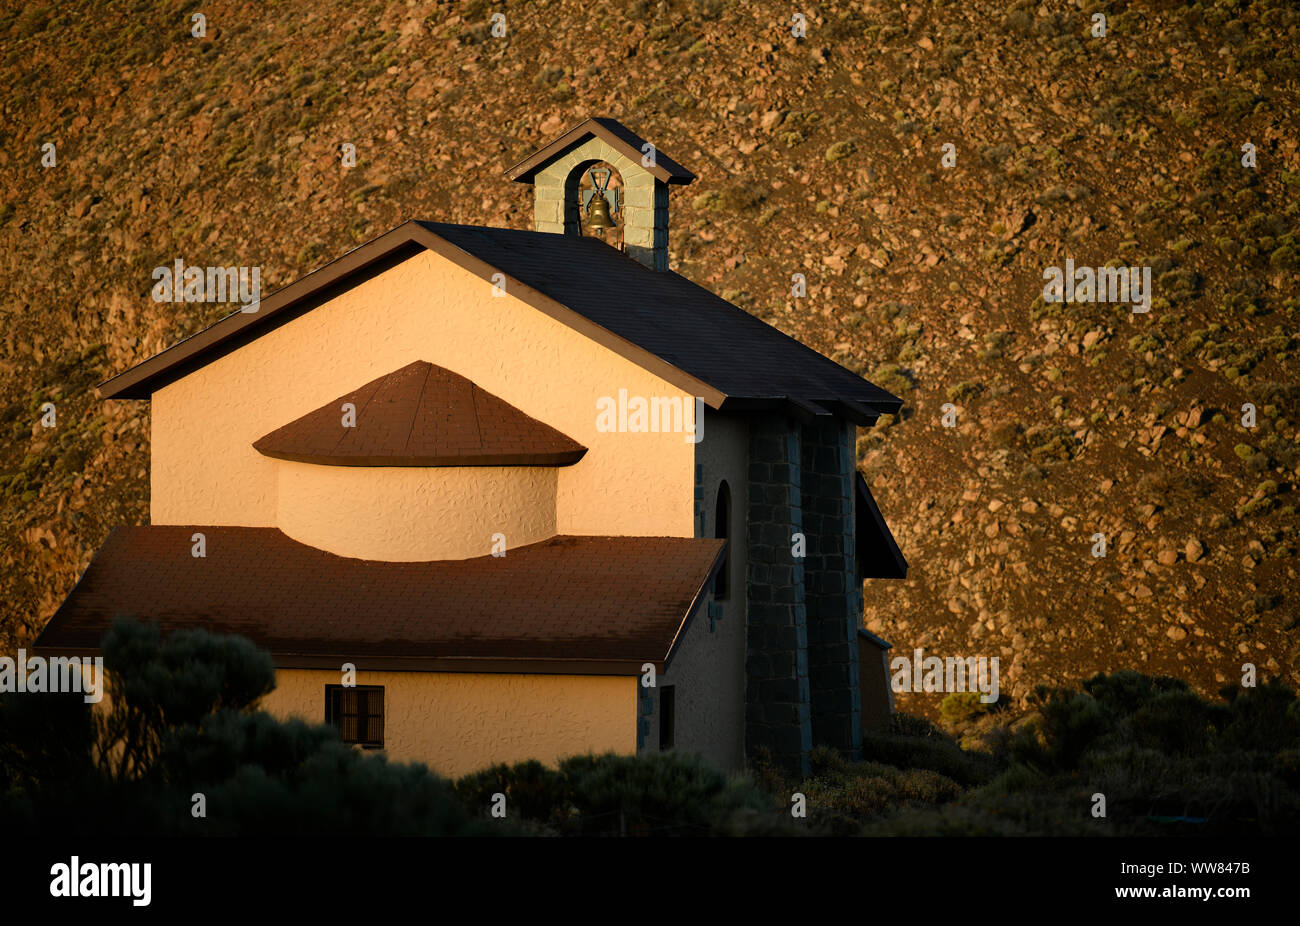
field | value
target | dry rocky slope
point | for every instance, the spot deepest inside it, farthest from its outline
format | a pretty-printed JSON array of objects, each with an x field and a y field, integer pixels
[{"x": 821, "y": 156}]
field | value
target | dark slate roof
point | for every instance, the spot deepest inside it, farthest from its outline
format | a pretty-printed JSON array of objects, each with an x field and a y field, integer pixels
[
  {"x": 663, "y": 312},
  {"x": 872, "y": 638},
  {"x": 421, "y": 415},
  {"x": 657, "y": 319},
  {"x": 614, "y": 133},
  {"x": 571, "y": 605},
  {"x": 878, "y": 555}
]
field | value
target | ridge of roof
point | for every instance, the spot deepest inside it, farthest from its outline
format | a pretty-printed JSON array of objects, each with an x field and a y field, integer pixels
[
  {"x": 613, "y": 133},
  {"x": 421, "y": 415}
]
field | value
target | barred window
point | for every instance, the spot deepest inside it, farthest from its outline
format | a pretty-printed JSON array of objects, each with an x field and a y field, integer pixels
[{"x": 358, "y": 712}]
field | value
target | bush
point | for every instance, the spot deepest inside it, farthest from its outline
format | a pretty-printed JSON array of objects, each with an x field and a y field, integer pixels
[
  {"x": 1125, "y": 692},
  {"x": 933, "y": 753},
  {"x": 1168, "y": 761},
  {"x": 961, "y": 707},
  {"x": 1176, "y": 722},
  {"x": 963, "y": 391},
  {"x": 533, "y": 791},
  {"x": 654, "y": 794},
  {"x": 839, "y": 151},
  {"x": 842, "y": 795},
  {"x": 182, "y": 722},
  {"x": 1262, "y": 719},
  {"x": 1066, "y": 725}
]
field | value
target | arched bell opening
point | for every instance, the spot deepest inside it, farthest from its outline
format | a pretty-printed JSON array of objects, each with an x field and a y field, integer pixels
[{"x": 594, "y": 202}]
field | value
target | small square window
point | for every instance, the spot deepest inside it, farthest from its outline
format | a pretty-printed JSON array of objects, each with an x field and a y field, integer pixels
[{"x": 358, "y": 712}]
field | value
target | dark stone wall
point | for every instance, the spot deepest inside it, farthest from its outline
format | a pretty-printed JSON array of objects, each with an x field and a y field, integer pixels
[
  {"x": 778, "y": 695},
  {"x": 832, "y": 590}
]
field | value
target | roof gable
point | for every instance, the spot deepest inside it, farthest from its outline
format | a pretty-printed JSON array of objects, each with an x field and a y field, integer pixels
[
  {"x": 613, "y": 133},
  {"x": 659, "y": 320},
  {"x": 421, "y": 415}
]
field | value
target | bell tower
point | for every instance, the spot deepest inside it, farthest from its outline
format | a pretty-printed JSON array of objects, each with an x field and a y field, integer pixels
[{"x": 603, "y": 180}]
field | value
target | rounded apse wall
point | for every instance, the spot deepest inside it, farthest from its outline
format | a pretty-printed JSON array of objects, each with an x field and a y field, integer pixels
[{"x": 415, "y": 513}]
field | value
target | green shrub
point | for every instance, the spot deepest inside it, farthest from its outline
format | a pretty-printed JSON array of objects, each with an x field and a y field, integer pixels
[
  {"x": 1160, "y": 753},
  {"x": 892, "y": 378},
  {"x": 839, "y": 151},
  {"x": 961, "y": 707},
  {"x": 183, "y": 721},
  {"x": 842, "y": 795},
  {"x": 1066, "y": 725},
  {"x": 533, "y": 791},
  {"x": 1262, "y": 719},
  {"x": 1176, "y": 722},
  {"x": 939, "y": 754},
  {"x": 963, "y": 391},
  {"x": 1124, "y": 692},
  {"x": 653, "y": 794}
]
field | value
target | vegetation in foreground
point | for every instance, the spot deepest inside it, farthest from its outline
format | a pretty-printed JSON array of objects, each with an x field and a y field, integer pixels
[{"x": 184, "y": 724}]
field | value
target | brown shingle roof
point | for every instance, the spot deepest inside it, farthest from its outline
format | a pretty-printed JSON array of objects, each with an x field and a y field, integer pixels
[
  {"x": 587, "y": 605},
  {"x": 421, "y": 415}
]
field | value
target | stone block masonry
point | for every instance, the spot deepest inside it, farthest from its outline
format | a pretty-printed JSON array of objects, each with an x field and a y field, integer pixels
[
  {"x": 777, "y": 691},
  {"x": 802, "y": 685},
  {"x": 645, "y": 201},
  {"x": 832, "y": 590}
]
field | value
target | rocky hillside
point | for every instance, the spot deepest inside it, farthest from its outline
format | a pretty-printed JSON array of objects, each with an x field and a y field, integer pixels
[{"x": 821, "y": 155}]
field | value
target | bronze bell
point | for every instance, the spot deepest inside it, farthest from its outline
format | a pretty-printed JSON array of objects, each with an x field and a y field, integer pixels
[{"x": 598, "y": 213}]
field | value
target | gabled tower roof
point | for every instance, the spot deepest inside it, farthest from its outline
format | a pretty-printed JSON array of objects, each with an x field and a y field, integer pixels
[{"x": 613, "y": 133}]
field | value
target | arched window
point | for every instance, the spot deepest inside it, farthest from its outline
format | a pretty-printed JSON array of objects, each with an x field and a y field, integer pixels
[
  {"x": 585, "y": 182},
  {"x": 722, "y": 530}
]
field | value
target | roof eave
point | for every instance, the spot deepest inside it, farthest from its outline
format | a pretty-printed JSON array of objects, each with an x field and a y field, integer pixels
[
  {"x": 560, "y": 458},
  {"x": 477, "y": 664},
  {"x": 147, "y": 376},
  {"x": 700, "y": 595},
  {"x": 862, "y": 412}
]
